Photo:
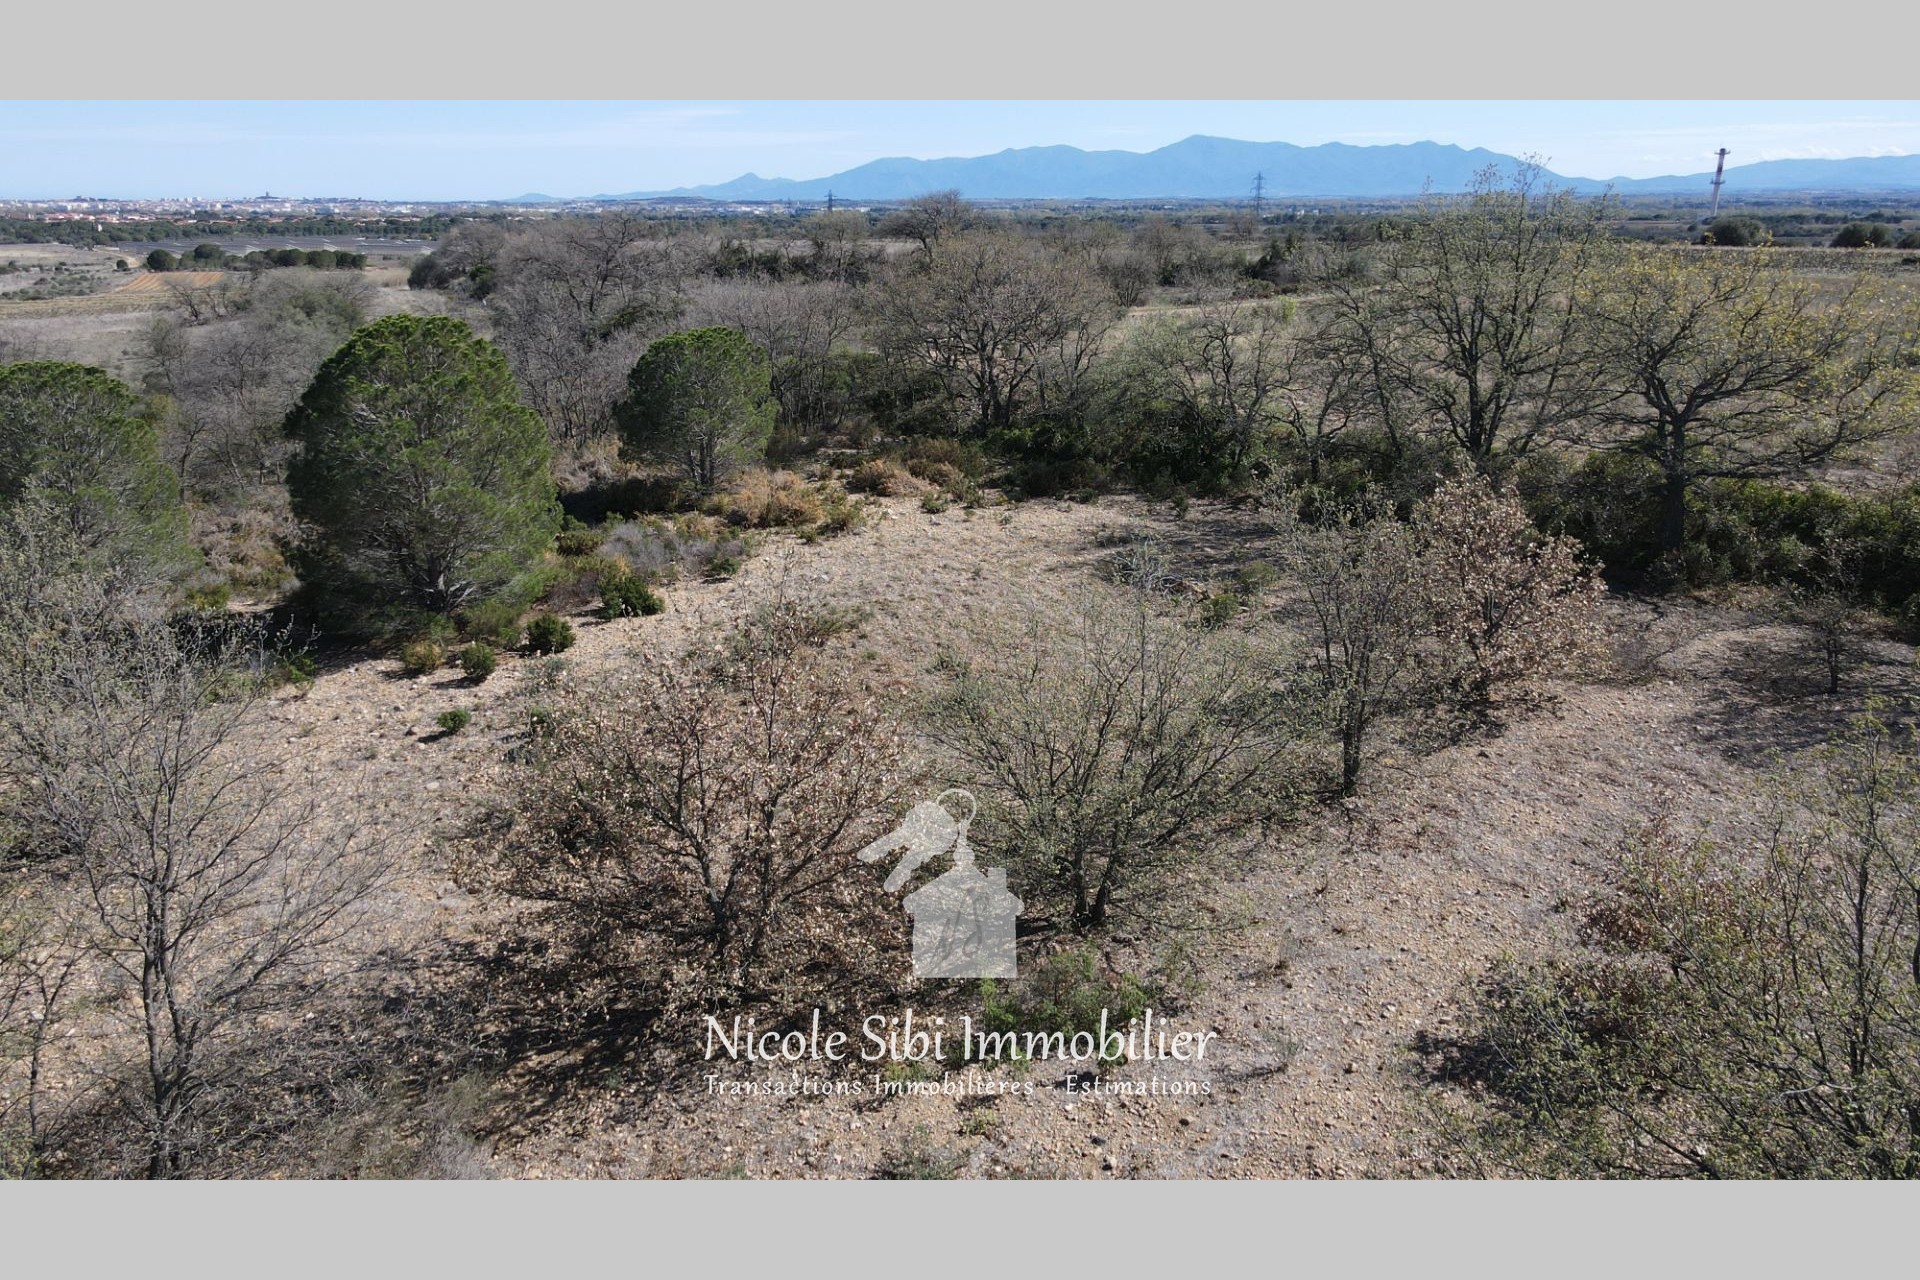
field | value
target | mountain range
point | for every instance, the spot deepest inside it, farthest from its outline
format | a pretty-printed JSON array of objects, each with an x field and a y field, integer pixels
[{"x": 1201, "y": 167}]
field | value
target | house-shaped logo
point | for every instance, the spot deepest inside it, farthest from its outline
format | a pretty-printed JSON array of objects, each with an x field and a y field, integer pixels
[{"x": 963, "y": 921}]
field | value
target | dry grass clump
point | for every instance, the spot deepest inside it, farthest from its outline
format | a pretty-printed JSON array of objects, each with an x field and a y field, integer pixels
[
  {"x": 884, "y": 478},
  {"x": 768, "y": 500},
  {"x": 660, "y": 549},
  {"x": 243, "y": 547},
  {"x": 784, "y": 500}
]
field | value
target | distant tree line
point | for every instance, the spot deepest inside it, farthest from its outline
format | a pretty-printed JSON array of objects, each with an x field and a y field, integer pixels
[
  {"x": 85, "y": 232},
  {"x": 211, "y": 257}
]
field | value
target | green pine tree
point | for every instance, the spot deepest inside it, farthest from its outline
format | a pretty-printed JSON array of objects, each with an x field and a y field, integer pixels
[
  {"x": 702, "y": 401},
  {"x": 422, "y": 482},
  {"x": 82, "y": 446}
]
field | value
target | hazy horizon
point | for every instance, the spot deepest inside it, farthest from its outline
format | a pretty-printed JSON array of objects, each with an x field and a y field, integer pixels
[{"x": 435, "y": 151}]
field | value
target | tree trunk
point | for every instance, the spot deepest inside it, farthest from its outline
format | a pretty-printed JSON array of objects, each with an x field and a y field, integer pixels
[
  {"x": 1673, "y": 513},
  {"x": 1353, "y": 733}
]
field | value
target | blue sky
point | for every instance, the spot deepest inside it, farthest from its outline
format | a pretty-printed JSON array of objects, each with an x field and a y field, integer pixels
[{"x": 493, "y": 150}]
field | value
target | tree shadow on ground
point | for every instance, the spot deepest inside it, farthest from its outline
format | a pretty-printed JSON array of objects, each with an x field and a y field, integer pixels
[
  {"x": 1768, "y": 698},
  {"x": 1458, "y": 1059},
  {"x": 1204, "y": 549}
]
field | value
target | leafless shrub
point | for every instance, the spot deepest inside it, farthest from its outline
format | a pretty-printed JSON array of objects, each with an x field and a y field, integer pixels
[
  {"x": 205, "y": 302},
  {"x": 702, "y": 817},
  {"x": 1508, "y": 605},
  {"x": 883, "y": 478},
  {"x": 660, "y": 549},
  {"x": 575, "y": 302},
  {"x": 1115, "y": 752},
  {"x": 1360, "y": 576},
  {"x": 1745, "y": 1011},
  {"x": 195, "y": 878}
]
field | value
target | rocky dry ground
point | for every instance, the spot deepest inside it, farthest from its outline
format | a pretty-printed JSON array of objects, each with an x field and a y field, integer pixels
[{"x": 1365, "y": 919}]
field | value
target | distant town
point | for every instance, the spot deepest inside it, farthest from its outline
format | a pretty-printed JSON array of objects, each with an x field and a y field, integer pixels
[{"x": 271, "y": 208}]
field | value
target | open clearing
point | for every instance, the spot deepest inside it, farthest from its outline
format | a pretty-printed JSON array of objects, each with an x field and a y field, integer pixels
[
  {"x": 164, "y": 283},
  {"x": 144, "y": 291},
  {"x": 1364, "y": 919}
]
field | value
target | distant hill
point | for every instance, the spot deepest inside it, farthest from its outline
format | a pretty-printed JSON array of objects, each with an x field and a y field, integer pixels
[
  {"x": 1223, "y": 168},
  {"x": 1866, "y": 173}
]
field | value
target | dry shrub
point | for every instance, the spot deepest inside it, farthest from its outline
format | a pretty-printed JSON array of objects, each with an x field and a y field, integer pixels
[
  {"x": 783, "y": 500},
  {"x": 243, "y": 547},
  {"x": 1463, "y": 606},
  {"x": 769, "y": 500},
  {"x": 838, "y": 513},
  {"x": 657, "y": 549},
  {"x": 1117, "y": 754},
  {"x": 590, "y": 463},
  {"x": 390, "y": 1132},
  {"x": 700, "y": 820},
  {"x": 191, "y": 880},
  {"x": 1745, "y": 1010},
  {"x": 1359, "y": 580},
  {"x": 883, "y": 478},
  {"x": 944, "y": 474},
  {"x": 582, "y": 580},
  {"x": 1508, "y": 605},
  {"x": 423, "y": 657}
]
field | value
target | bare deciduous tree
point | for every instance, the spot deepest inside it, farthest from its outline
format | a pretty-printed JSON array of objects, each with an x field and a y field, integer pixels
[
  {"x": 801, "y": 327},
  {"x": 994, "y": 317},
  {"x": 927, "y": 219},
  {"x": 574, "y": 303},
  {"x": 206, "y": 302},
  {"x": 1324, "y": 387},
  {"x": 1476, "y": 330},
  {"x": 195, "y": 869}
]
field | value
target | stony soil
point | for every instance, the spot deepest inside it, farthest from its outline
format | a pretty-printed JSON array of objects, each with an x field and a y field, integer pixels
[{"x": 1366, "y": 918}]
